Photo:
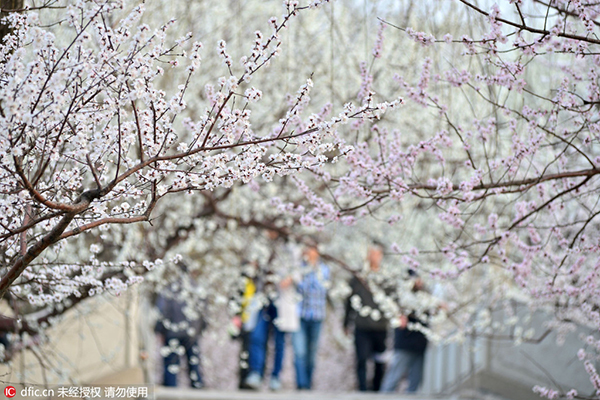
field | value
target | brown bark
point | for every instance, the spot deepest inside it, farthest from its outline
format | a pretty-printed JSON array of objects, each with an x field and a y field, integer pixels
[
  {"x": 7, "y": 6},
  {"x": 35, "y": 250}
]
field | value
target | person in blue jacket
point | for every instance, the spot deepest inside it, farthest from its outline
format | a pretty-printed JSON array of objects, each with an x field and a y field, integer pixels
[{"x": 312, "y": 289}]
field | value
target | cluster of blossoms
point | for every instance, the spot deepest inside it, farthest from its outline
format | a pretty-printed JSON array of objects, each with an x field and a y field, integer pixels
[
  {"x": 378, "y": 48},
  {"x": 423, "y": 38}
]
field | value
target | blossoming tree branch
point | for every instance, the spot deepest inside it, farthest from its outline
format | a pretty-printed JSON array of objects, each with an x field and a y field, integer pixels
[{"x": 89, "y": 141}]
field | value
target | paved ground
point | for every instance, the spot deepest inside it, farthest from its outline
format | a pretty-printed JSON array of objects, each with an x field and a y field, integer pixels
[
  {"x": 135, "y": 376},
  {"x": 189, "y": 394}
]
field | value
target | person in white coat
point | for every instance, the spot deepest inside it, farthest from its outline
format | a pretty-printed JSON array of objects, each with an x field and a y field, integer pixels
[{"x": 279, "y": 315}]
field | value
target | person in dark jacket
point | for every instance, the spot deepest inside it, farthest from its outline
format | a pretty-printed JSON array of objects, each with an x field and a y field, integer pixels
[
  {"x": 180, "y": 326},
  {"x": 244, "y": 321},
  {"x": 370, "y": 331},
  {"x": 409, "y": 351}
]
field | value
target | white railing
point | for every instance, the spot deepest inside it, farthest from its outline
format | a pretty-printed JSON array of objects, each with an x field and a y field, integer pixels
[{"x": 447, "y": 366}]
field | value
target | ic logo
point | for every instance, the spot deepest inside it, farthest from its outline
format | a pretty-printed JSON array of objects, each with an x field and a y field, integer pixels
[{"x": 10, "y": 391}]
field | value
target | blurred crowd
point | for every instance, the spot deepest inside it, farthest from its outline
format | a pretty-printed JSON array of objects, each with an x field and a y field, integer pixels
[{"x": 274, "y": 305}]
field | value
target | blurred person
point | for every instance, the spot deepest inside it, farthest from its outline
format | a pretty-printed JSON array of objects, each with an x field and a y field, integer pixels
[
  {"x": 369, "y": 333},
  {"x": 277, "y": 317},
  {"x": 408, "y": 358},
  {"x": 180, "y": 327},
  {"x": 244, "y": 322},
  {"x": 312, "y": 287}
]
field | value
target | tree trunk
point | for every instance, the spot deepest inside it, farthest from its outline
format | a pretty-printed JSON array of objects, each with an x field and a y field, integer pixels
[{"x": 8, "y": 5}]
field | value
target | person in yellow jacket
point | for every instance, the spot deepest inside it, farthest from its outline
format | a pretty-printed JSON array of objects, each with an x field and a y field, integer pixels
[{"x": 242, "y": 324}]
